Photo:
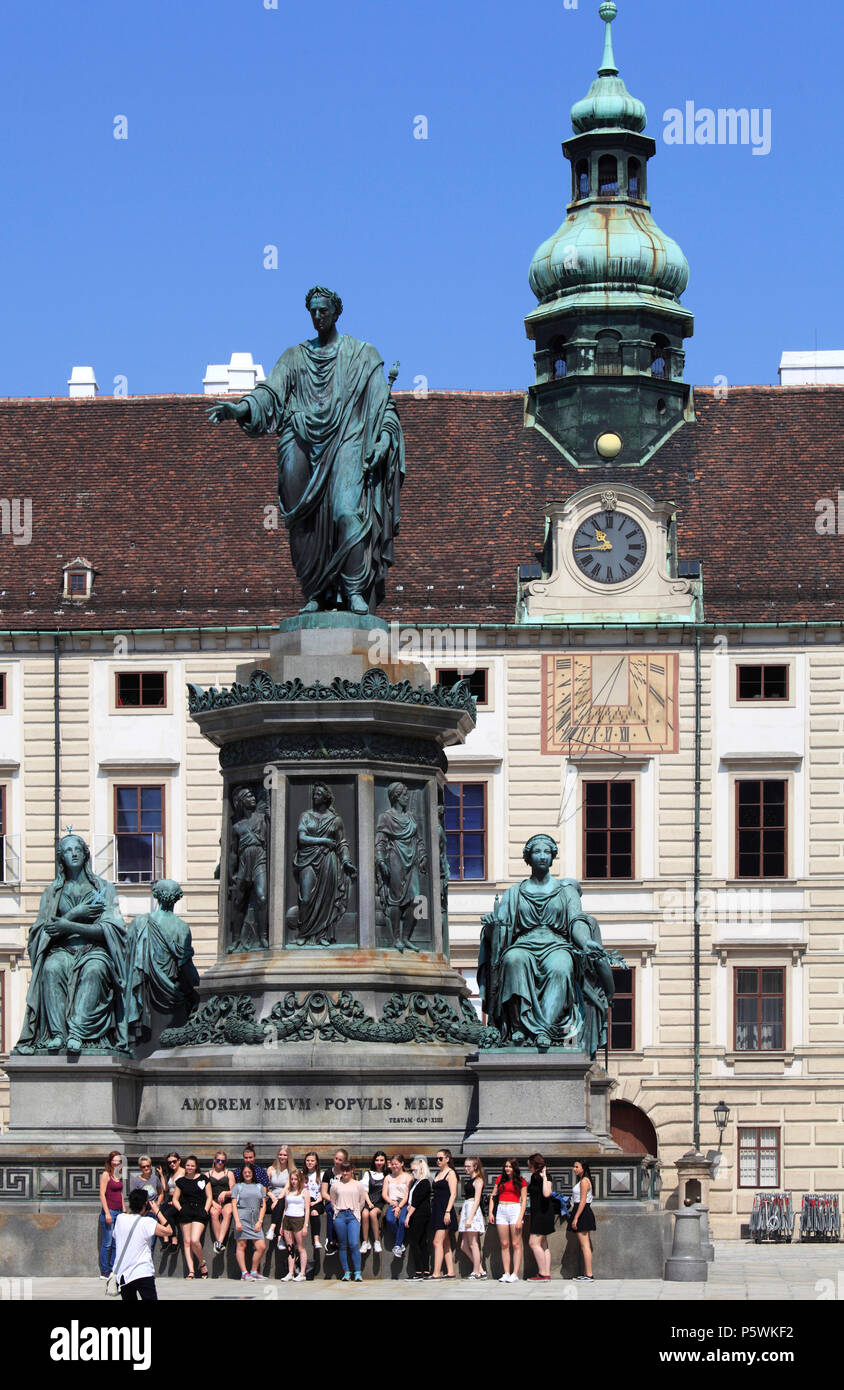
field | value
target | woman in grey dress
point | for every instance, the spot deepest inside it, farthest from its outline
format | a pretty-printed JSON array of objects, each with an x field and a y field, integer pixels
[{"x": 249, "y": 1202}]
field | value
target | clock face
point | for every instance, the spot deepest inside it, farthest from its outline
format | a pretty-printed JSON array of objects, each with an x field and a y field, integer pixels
[{"x": 609, "y": 547}]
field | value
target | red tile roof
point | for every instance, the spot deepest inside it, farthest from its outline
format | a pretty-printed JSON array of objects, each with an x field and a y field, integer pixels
[{"x": 170, "y": 510}]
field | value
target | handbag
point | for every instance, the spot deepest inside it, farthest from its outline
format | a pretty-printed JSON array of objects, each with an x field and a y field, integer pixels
[{"x": 112, "y": 1288}]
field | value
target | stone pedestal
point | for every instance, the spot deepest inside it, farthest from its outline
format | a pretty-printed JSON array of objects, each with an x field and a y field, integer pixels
[
  {"x": 540, "y": 1101},
  {"x": 90, "y": 1101},
  {"x": 320, "y": 712}
]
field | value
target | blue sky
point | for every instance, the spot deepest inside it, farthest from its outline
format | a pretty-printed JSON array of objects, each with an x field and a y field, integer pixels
[{"x": 293, "y": 127}]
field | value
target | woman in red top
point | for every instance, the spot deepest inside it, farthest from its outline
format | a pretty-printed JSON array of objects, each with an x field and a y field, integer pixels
[{"x": 511, "y": 1191}]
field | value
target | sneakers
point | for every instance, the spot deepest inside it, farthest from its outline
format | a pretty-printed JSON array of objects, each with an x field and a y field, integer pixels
[
  {"x": 257, "y": 1275},
  {"x": 358, "y": 1277},
  {"x": 509, "y": 1279},
  {"x": 218, "y": 1247},
  {"x": 300, "y": 1279},
  {"x": 271, "y": 1233},
  {"x": 347, "y": 1279},
  {"x": 317, "y": 1243},
  {"x": 286, "y": 1278},
  {"x": 364, "y": 1247},
  {"x": 585, "y": 1278},
  {"x": 377, "y": 1247},
  {"x": 483, "y": 1275},
  {"x": 246, "y": 1275}
]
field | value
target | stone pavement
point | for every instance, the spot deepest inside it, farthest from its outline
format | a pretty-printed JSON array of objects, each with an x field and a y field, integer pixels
[{"x": 741, "y": 1272}]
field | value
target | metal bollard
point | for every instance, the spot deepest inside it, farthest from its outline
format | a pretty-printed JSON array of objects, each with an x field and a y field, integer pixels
[
  {"x": 686, "y": 1264},
  {"x": 707, "y": 1249}
]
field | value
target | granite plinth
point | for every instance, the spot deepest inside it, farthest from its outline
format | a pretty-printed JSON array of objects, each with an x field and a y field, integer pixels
[
  {"x": 57, "y": 1100},
  {"x": 540, "y": 1101},
  {"x": 320, "y": 646},
  {"x": 631, "y": 1242}
]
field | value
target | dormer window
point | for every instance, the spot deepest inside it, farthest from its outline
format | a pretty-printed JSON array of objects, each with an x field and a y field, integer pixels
[
  {"x": 78, "y": 579},
  {"x": 633, "y": 178},
  {"x": 582, "y": 179},
  {"x": 607, "y": 175}
]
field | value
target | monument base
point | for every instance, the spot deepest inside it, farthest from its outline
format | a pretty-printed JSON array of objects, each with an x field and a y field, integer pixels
[{"x": 44, "y": 1240}]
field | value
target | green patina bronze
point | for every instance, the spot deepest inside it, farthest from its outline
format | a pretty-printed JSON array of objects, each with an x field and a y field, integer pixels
[
  {"x": 79, "y": 952},
  {"x": 415, "y": 1018},
  {"x": 162, "y": 976},
  {"x": 544, "y": 976},
  {"x": 340, "y": 459},
  {"x": 609, "y": 326},
  {"x": 373, "y": 685}
]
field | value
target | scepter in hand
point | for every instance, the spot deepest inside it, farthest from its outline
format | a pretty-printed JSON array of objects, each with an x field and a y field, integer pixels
[{"x": 372, "y": 458}]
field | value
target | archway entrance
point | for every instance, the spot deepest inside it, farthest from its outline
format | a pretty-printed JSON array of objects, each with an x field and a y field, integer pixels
[{"x": 631, "y": 1129}]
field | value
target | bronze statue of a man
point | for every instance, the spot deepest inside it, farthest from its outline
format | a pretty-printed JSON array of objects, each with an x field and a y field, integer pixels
[{"x": 340, "y": 459}]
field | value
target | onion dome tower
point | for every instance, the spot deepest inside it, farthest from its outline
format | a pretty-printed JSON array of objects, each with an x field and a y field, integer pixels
[{"x": 609, "y": 326}]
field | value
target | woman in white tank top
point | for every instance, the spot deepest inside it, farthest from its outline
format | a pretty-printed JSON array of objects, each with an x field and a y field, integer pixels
[
  {"x": 582, "y": 1218},
  {"x": 297, "y": 1210}
]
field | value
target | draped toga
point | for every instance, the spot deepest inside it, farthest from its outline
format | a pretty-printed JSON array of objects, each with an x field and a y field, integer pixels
[{"x": 329, "y": 405}]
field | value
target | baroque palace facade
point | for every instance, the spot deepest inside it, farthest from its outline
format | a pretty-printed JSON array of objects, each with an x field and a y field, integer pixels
[{"x": 644, "y": 586}]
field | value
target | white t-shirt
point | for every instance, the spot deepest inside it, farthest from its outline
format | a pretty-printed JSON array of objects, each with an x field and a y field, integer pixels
[{"x": 136, "y": 1262}]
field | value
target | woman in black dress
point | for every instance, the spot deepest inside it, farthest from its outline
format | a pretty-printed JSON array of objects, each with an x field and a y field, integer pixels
[
  {"x": 418, "y": 1216},
  {"x": 192, "y": 1200},
  {"x": 443, "y": 1197},
  {"x": 541, "y": 1216}
]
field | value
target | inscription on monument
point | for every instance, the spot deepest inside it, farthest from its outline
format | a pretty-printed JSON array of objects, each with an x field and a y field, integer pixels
[{"x": 419, "y": 1108}]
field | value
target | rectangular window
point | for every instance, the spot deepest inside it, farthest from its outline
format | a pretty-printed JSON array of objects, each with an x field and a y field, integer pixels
[
  {"x": 139, "y": 833},
  {"x": 465, "y": 829},
  {"x": 762, "y": 683},
  {"x": 759, "y": 1010},
  {"x": 140, "y": 689},
  {"x": 77, "y": 582},
  {"x": 622, "y": 1012},
  {"x": 761, "y": 826},
  {"x": 448, "y": 675},
  {"x": 608, "y": 829},
  {"x": 759, "y": 1157}
]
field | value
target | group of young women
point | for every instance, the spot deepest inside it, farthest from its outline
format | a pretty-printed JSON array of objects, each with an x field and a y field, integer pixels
[{"x": 405, "y": 1205}]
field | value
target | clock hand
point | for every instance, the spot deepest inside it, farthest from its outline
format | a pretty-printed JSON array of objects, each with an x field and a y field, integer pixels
[{"x": 606, "y": 546}]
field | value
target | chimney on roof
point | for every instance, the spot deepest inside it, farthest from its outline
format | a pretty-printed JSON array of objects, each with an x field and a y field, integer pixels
[
  {"x": 82, "y": 383},
  {"x": 239, "y": 376},
  {"x": 818, "y": 368}
]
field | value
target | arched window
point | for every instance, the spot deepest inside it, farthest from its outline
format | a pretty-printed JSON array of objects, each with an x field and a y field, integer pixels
[
  {"x": 659, "y": 357},
  {"x": 582, "y": 178},
  {"x": 633, "y": 178},
  {"x": 608, "y": 354},
  {"x": 607, "y": 174},
  {"x": 559, "y": 364}
]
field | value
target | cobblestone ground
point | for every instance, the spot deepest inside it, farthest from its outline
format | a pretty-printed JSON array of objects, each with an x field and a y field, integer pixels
[{"x": 741, "y": 1272}]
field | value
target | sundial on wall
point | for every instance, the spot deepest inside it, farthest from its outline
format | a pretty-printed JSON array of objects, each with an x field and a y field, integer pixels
[{"x": 609, "y": 701}]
